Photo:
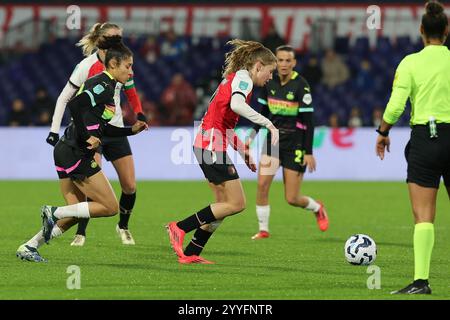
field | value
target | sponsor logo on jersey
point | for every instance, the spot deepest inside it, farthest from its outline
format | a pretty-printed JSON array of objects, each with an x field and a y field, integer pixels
[
  {"x": 290, "y": 95},
  {"x": 272, "y": 92}
]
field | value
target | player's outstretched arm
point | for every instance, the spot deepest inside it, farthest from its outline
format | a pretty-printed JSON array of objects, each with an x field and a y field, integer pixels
[
  {"x": 239, "y": 106},
  {"x": 64, "y": 97}
]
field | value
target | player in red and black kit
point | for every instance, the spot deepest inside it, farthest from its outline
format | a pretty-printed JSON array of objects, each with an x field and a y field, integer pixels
[
  {"x": 80, "y": 175},
  {"x": 248, "y": 64},
  {"x": 286, "y": 100},
  {"x": 115, "y": 149}
]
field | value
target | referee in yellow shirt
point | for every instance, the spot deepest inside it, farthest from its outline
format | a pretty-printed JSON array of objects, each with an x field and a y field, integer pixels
[{"x": 424, "y": 77}]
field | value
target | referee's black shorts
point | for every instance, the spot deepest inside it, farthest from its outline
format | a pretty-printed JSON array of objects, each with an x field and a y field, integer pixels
[
  {"x": 216, "y": 166},
  {"x": 428, "y": 159}
]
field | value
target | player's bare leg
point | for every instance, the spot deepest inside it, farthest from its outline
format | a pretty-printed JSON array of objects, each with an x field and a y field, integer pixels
[
  {"x": 268, "y": 167},
  {"x": 292, "y": 192}
]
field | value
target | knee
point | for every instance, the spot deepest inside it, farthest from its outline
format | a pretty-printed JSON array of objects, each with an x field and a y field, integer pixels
[
  {"x": 129, "y": 188},
  {"x": 113, "y": 208},
  {"x": 291, "y": 199},
  {"x": 238, "y": 206}
]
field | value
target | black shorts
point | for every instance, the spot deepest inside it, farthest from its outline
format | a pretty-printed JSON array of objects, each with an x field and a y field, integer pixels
[
  {"x": 428, "y": 159},
  {"x": 72, "y": 163},
  {"x": 216, "y": 170},
  {"x": 114, "y": 148},
  {"x": 287, "y": 151}
]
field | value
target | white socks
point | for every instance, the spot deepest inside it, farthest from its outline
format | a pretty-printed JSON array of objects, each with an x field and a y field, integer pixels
[
  {"x": 312, "y": 205},
  {"x": 263, "y": 213},
  {"x": 38, "y": 239},
  {"x": 78, "y": 210}
]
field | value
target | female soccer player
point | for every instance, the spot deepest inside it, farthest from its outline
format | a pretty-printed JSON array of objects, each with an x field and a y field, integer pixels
[
  {"x": 286, "y": 100},
  {"x": 249, "y": 63},
  {"x": 424, "y": 77},
  {"x": 80, "y": 175},
  {"x": 115, "y": 149}
]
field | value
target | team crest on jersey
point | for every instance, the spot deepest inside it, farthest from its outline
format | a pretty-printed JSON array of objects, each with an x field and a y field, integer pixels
[
  {"x": 98, "y": 89},
  {"x": 243, "y": 85},
  {"x": 307, "y": 99},
  {"x": 94, "y": 164},
  {"x": 272, "y": 92},
  {"x": 290, "y": 95}
]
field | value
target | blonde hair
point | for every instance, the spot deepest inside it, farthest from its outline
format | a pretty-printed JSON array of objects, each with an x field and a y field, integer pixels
[
  {"x": 245, "y": 54},
  {"x": 89, "y": 42}
]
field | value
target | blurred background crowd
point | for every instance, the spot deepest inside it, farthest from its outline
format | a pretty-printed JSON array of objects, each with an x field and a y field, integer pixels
[{"x": 176, "y": 74}]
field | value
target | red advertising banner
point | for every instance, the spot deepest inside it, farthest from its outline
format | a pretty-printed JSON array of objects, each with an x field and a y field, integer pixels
[{"x": 293, "y": 22}]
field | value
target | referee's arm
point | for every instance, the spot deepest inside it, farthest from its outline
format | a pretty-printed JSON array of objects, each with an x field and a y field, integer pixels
[{"x": 401, "y": 90}]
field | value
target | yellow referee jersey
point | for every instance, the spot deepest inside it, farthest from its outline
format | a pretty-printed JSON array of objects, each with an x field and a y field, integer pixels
[{"x": 424, "y": 77}]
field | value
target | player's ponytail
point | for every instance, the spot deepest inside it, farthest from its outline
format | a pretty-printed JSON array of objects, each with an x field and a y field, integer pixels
[
  {"x": 95, "y": 36},
  {"x": 245, "y": 54},
  {"x": 434, "y": 21}
]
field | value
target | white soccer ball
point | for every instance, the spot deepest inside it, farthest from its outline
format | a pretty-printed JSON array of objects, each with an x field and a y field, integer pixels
[{"x": 360, "y": 249}]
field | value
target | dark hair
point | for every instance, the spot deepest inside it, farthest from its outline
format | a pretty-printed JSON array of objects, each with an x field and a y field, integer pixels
[
  {"x": 117, "y": 52},
  {"x": 434, "y": 20},
  {"x": 285, "y": 47},
  {"x": 109, "y": 42}
]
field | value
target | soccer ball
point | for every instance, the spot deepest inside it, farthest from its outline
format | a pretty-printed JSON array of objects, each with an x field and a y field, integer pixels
[{"x": 360, "y": 249}]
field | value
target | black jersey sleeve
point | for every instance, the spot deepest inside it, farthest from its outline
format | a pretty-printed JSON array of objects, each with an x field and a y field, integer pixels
[
  {"x": 77, "y": 106},
  {"x": 113, "y": 131},
  {"x": 306, "y": 115},
  {"x": 100, "y": 93}
]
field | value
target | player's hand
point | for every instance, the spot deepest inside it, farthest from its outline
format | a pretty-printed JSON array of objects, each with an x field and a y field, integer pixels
[
  {"x": 52, "y": 138},
  {"x": 249, "y": 160},
  {"x": 93, "y": 142},
  {"x": 310, "y": 162},
  {"x": 139, "y": 126},
  {"x": 141, "y": 117},
  {"x": 382, "y": 144},
  {"x": 275, "y": 135}
]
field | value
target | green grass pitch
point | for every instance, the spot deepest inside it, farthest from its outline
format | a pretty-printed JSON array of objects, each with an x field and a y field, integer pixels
[{"x": 297, "y": 262}]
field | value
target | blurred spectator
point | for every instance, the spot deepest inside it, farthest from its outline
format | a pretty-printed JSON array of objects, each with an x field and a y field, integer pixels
[
  {"x": 377, "y": 115},
  {"x": 150, "y": 50},
  {"x": 149, "y": 108},
  {"x": 364, "y": 78},
  {"x": 42, "y": 108},
  {"x": 247, "y": 32},
  {"x": 172, "y": 47},
  {"x": 333, "y": 120},
  {"x": 312, "y": 72},
  {"x": 355, "y": 119},
  {"x": 273, "y": 40},
  {"x": 334, "y": 70},
  {"x": 179, "y": 101},
  {"x": 19, "y": 115},
  {"x": 44, "y": 119}
]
